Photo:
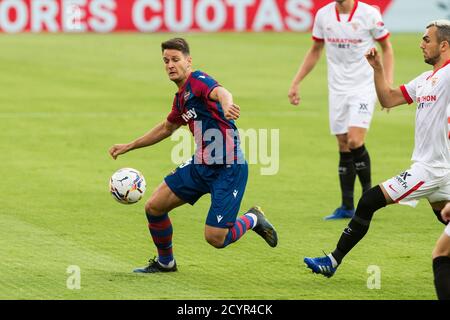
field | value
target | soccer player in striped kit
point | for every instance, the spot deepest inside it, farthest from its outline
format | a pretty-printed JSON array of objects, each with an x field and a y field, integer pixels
[
  {"x": 218, "y": 166},
  {"x": 429, "y": 175},
  {"x": 348, "y": 29}
]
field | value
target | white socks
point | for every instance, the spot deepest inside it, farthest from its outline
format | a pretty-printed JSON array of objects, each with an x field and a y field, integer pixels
[
  {"x": 253, "y": 216},
  {"x": 333, "y": 260}
]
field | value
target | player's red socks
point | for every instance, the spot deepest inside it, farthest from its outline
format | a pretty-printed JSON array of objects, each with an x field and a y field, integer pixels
[
  {"x": 241, "y": 226},
  {"x": 161, "y": 231}
]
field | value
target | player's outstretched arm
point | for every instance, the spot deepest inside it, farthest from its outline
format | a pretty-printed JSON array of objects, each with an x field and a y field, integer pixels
[
  {"x": 388, "y": 96},
  {"x": 388, "y": 60},
  {"x": 155, "y": 135},
  {"x": 223, "y": 96},
  {"x": 305, "y": 68}
]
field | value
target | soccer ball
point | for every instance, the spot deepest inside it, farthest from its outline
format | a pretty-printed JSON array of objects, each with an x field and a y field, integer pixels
[{"x": 127, "y": 185}]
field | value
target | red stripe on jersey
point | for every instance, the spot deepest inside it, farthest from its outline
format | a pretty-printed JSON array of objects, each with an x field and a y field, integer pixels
[
  {"x": 434, "y": 72},
  {"x": 317, "y": 39},
  {"x": 383, "y": 37},
  {"x": 417, "y": 186},
  {"x": 406, "y": 94},
  {"x": 353, "y": 11},
  {"x": 337, "y": 14}
]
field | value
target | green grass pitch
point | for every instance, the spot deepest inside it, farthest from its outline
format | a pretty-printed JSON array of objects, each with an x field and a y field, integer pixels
[{"x": 66, "y": 99}]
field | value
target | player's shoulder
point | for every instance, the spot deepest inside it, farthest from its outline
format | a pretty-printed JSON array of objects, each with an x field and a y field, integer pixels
[
  {"x": 424, "y": 75},
  {"x": 200, "y": 79},
  {"x": 366, "y": 8},
  {"x": 443, "y": 72},
  {"x": 200, "y": 75},
  {"x": 327, "y": 10}
]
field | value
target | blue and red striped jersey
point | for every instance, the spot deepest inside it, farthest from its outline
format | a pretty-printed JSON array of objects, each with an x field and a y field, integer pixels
[{"x": 217, "y": 138}]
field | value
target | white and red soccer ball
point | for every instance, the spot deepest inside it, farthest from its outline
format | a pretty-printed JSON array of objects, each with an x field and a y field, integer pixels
[{"x": 127, "y": 185}]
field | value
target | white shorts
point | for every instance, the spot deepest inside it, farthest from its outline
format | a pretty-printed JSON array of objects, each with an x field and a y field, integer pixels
[
  {"x": 447, "y": 230},
  {"x": 418, "y": 182},
  {"x": 351, "y": 110}
]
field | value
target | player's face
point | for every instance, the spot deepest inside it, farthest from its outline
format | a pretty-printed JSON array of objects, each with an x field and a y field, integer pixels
[
  {"x": 177, "y": 65},
  {"x": 430, "y": 46}
]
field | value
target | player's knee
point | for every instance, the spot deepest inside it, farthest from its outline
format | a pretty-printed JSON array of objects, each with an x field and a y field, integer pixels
[
  {"x": 366, "y": 202},
  {"x": 354, "y": 143},
  {"x": 152, "y": 209},
  {"x": 215, "y": 240},
  {"x": 371, "y": 201},
  {"x": 441, "y": 252}
]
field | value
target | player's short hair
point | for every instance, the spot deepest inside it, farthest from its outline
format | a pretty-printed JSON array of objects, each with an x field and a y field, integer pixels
[
  {"x": 176, "y": 44},
  {"x": 443, "y": 29}
]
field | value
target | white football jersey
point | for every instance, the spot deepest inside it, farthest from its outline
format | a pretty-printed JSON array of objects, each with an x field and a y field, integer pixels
[
  {"x": 347, "y": 39},
  {"x": 431, "y": 92}
]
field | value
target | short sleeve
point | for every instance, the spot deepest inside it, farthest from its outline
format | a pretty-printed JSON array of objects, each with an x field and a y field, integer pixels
[
  {"x": 409, "y": 90},
  {"x": 317, "y": 31},
  {"x": 377, "y": 29},
  {"x": 175, "y": 115},
  {"x": 202, "y": 85}
]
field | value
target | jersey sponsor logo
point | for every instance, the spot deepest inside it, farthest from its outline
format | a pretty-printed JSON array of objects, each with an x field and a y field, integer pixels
[
  {"x": 189, "y": 115},
  {"x": 401, "y": 178},
  {"x": 429, "y": 98},
  {"x": 426, "y": 101},
  {"x": 344, "y": 41}
]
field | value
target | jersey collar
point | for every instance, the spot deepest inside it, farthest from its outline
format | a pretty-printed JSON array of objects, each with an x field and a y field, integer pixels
[
  {"x": 185, "y": 84},
  {"x": 443, "y": 66},
  {"x": 350, "y": 17}
]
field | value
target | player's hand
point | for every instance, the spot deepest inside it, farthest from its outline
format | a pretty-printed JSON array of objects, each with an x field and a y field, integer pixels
[
  {"x": 374, "y": 58},
  {"x": 445, "y": 213},
  {"x": 293, "y": 96},
  {"x": 231, "y": 111},
  {"x": 118, "y": 149}
]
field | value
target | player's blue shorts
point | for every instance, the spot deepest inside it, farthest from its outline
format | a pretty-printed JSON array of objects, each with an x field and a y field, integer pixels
[{"x": 226, "y": 184}]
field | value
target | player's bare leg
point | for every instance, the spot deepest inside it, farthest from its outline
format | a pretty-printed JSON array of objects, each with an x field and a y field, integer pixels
[{"x": 161, "y": 202}]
